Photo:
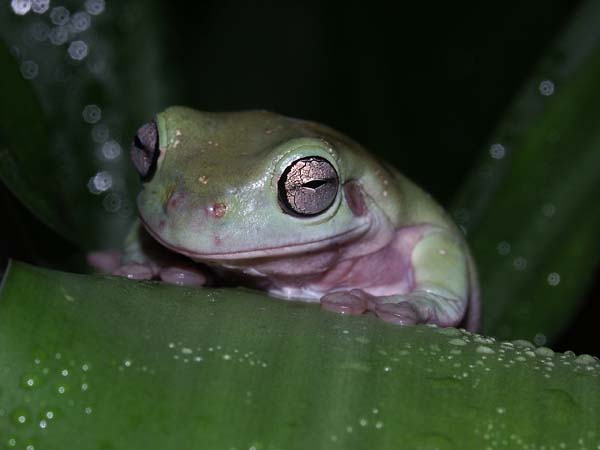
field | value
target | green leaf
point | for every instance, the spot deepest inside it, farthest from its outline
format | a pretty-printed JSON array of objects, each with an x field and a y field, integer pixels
[
  {"x": 70, "y": 167},
  {"x": 529, "y": 207},
  {"x": 23, "y": 143},
  {"x": 133, "y": 365}
]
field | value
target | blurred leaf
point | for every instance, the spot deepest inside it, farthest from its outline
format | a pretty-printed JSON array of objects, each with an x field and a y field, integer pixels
[
  {"x": 28, "y": 239},
  {"x": 68, "y": 162},
  {"x": 529, "y": 206},
  {"x": 146, "y": 365},
  {"x": 23, "y": 143}
]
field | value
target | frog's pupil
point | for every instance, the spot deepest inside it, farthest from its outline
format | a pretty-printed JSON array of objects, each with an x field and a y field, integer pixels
[
  {"x": 314, "y": 184},
  {"x": 308, "y": 186}
]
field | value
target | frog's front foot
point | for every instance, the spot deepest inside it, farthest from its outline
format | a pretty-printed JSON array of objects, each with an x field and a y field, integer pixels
[
  {"x": 180, "y": 274},
  {"x": 352, "y": 302},
  {"x": 172, "y": 272},
  {"x": 399, "y": 312},
  {"x": 402, "y": 309},
  {"x": 357, "y": 301}
]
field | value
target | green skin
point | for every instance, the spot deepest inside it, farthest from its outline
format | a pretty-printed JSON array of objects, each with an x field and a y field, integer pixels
[{"x": 383, "y": 245}]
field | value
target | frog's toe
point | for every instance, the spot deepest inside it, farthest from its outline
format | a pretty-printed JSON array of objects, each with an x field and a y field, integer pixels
[
  {"x": 398, "y": 313},
  {"x": 345, "y": 302},
  {"x": 135, "y": 271},
  {"x": 182, "y": 276}
]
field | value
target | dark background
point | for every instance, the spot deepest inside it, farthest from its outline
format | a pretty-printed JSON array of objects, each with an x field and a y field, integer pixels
[{"x": 422, "y": 84}]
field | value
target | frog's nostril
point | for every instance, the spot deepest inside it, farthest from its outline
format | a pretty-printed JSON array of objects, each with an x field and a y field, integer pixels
[{"x": 145, "y": 151}]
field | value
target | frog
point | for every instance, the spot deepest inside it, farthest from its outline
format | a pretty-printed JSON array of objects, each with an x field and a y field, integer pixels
[{"x": 294, "y": 208}]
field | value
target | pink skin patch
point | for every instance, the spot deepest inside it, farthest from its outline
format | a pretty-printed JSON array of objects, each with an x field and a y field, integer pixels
[
  {"x": 104, "y": 261},
  {"x": 355, "y": 198},
  {"x": 134, "y": 272},
  {"x": 182, "y": 276},
  {"x": 364, "y": 273}
]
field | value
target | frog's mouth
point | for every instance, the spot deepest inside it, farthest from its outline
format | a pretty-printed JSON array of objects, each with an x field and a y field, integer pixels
[{"x": 267, "y": 252}]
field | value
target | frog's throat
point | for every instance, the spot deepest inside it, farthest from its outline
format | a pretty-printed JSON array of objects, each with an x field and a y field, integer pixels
[{"x": 283, "y": 250}]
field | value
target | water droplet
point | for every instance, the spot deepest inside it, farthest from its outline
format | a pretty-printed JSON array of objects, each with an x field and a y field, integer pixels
[
  {"x": 553, "y": 279},
  {"x": 100, "y": 182},
  {"x": 40, "y": 6},
  {"x": 88, "y": 410},
  {"x": 540, "y": 339},
  {"x": 61, "y": 389},
  {"x": 127, "y": 363},
  {"x": 520, "y": 263},
  {"x": 111, "y": 149},
  {"x": 503, "y": 248},
  {"x": 457, "y": 341},
  {"x": 59, "y": 15},
  {"x": 20, "y": 416},
  {"x": 448, "y": 331},
  {"x": 58, "y": 35},
  {"x": 485, "y": 350},
  {"x": 387, "y": 369},
  {"x": 81, "y": 21},
  {"x": 379, "y": 424},
  {"x": 39, "y": 31},
  {"x": 548, "y": 210},
  {"x": 497, "y": 151},
  {"x": 544, "y": 352},
  {"x": 500, "y": 410},
  {"x": 29, "y": 69},
  {"x": 78, "y": 50},
  {"x": 12, "y": 442},
  {"x": 84, "y": 387},
  {"x": 94, "y": 7},
  {"x": 20, "y": 7},
  {"x": 483, "y": 339},
  {"x": 50, "y": 415},
  {"x": 100, "y": 134},
  {"x": 91, "y": 113},
  {"x": 64, "y": 372},
  {"x": 522, "y": 343},
  {"x": 546, "y": 88},
  {"x": 111, "y": 202},
  {"x": 30, "y": 381},
  {"x": 585, "y": 359}
]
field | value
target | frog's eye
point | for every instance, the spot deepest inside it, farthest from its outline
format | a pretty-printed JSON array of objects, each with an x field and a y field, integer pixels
[
  {"x": 308, "y": 186},
  {"x": 144, "y": 150}
]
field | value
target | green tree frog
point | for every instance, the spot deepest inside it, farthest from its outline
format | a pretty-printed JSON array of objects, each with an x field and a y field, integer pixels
[{"x": 297, "y": 209}]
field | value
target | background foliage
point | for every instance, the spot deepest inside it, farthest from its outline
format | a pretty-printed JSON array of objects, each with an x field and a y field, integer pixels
[{"x": 491, "y": 108}]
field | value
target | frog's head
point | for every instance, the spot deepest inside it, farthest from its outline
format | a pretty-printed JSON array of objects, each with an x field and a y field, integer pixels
[{"x": 231, "y": 186}]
